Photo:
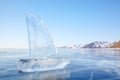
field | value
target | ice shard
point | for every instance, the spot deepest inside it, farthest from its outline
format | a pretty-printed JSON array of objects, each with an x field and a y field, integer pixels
[
  {"x": 40, "y": 42},
  {"x": 41, "y": 46}
]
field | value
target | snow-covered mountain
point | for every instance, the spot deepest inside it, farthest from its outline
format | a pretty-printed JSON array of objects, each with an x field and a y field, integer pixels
[
  {"x": 97, "y": 44},
  {"x": 115, "y": 44}
]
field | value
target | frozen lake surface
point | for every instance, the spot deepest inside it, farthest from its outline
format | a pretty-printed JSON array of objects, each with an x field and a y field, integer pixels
[{"x": 85, "y": 64}]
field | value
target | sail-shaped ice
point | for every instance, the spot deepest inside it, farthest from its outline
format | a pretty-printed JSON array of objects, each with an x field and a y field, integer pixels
[
  {"x": 41, "y": 47},
  {"x": 40, "y": 43}
]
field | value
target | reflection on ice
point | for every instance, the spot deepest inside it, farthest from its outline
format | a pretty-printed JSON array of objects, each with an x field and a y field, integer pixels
[
  {"x": 47, "y": 75},
  {"x": 32, "y": 65}
]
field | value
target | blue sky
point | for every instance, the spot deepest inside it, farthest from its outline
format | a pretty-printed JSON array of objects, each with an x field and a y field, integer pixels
[{"x": 68, "y": 21}]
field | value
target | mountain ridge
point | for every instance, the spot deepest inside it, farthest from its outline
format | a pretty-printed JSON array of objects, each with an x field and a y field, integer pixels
[{"x": 95, "y": 44}]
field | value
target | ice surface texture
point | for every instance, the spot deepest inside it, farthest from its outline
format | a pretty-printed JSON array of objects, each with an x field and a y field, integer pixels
[{"x": 40, "y": 43}]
